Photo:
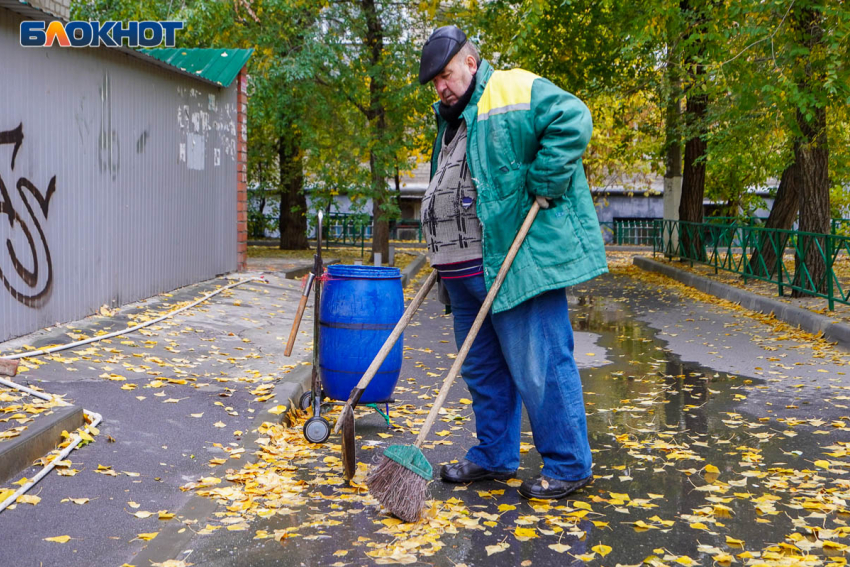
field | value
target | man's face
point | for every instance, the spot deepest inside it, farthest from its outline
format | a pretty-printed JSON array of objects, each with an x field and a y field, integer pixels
[{"x": 455, "y": 78}]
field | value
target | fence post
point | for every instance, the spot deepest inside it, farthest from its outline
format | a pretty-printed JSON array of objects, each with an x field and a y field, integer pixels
[
  {"x": 829, "y": 271},
  {"x": 691, "y": 244},
  {"x": 780, "y": 264},
  {"x": 653, "y": 239}
]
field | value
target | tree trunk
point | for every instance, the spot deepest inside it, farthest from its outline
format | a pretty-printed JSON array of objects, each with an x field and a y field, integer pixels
[
  {"x": 673, "y": 143},
  {"x": 782, "y": 214},
  {"x": 812, "y": 157},
  {"x": 292, "y": 222},
  {"x": 374, "y": 40},
  {"x": 693, "y": 178},
  {"x": 380, "y": 222}
]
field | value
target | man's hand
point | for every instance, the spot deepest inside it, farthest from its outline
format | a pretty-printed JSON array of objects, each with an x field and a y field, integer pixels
[{"x": 542, "y": 201}]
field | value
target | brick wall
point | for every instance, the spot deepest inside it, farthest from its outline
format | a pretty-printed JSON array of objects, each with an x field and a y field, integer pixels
[{"x": 242, "y": 171}]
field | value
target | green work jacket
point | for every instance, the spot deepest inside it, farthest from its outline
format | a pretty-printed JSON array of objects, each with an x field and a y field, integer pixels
[{"x": 525, "y": 137}]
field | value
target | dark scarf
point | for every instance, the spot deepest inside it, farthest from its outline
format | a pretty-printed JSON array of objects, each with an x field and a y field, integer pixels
[{"x": 451, "y": 114}]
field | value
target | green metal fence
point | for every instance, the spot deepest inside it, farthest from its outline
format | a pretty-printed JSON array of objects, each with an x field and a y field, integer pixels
[
  {"x": 345, "y": 229},
  {"x": 629, "y": 232},
  {"x": 748, "y": 221},
  {"x": 758, "y": 253},
  {"x": 840, "y": 227}
]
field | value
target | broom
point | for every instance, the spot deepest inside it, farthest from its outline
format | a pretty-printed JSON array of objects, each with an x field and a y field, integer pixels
[
  {"x": 400, "y": 479},
  {"x": 346, "y": 417}
]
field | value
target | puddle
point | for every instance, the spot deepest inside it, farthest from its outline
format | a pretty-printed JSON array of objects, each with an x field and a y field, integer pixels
[{"x": 655, "y": 424}]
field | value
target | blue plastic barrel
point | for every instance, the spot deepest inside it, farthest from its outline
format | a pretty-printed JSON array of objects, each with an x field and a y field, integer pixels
[{"x": 360, "y": 307}]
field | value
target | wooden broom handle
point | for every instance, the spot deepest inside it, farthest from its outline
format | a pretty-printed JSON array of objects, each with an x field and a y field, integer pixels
[
  {"x": 388, "y": 345},
  {"x": 295, "y": 324},
  {"x": 476, "y": 326}
]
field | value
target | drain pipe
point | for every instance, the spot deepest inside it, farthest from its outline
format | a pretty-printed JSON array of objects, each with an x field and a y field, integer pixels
[
  {"x": 95, "y": 420},
  {"x": 128, "y": 329}
]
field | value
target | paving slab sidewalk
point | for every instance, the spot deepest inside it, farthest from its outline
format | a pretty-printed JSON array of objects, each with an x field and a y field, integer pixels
[
  {"x": 180, "y": 399},
  {"x": 177, "y": 398},
  {"x": 832, "y": 327}
]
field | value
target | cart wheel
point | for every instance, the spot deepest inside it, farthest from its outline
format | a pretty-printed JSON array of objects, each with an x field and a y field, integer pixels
[
  {"x": 317, "y": 430},
  {"x": 305, "y": 401}
]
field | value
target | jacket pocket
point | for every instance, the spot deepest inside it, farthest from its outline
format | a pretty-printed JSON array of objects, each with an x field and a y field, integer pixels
[
  {"x": 506, "y": 171},
  {"x": 555, "y": 237}
]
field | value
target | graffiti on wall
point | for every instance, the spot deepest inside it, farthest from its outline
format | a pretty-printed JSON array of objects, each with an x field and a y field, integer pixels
[{"x": 25, "y": 265}]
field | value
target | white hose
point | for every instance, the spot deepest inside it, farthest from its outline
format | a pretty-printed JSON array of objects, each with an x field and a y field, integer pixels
[
  {"x": 128, "y": 329},
  {"x": 96, "y": 418}
]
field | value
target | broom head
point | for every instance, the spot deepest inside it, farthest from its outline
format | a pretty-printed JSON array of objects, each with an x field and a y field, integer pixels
[{"x": 400, "y": 481}]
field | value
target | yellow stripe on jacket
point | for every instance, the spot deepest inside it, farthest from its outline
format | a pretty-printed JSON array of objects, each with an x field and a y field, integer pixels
[{"x": 506, "y": 91}]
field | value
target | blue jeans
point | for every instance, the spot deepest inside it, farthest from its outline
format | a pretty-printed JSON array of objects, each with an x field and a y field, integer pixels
[{"x": 523, "y": 355}]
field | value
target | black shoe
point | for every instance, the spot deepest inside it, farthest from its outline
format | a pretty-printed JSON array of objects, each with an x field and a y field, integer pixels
[
  {"x": 467, "y": 471},
  {"x": 546, "y": 488}
]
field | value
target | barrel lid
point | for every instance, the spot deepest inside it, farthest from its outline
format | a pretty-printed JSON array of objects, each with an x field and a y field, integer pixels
[{"x": 363, "y": 272}]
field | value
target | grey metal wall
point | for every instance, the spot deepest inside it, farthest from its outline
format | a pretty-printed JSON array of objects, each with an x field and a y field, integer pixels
[{"x": 122, "y": 185}]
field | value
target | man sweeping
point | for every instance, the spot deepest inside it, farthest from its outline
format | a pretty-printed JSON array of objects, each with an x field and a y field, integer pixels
[{"x": 504, "y": 139}]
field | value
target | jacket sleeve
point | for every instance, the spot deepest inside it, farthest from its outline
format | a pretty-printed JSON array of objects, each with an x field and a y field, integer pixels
[{"x": 563, "y": 126}]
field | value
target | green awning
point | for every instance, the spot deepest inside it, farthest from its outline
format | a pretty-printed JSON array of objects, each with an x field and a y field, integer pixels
[{"x": 217, "y": 65}]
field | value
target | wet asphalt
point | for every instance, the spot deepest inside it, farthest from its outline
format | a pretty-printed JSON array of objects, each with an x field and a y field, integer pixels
[
  {"x": 653, "y": 365},
  {"x": 656, "y": 365}
]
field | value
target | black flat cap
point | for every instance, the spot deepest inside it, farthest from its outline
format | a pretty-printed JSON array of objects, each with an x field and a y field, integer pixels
[{"x": 443, "y": 44}]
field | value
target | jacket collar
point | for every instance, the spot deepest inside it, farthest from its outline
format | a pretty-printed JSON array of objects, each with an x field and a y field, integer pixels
[{"x": 485, "y": 71}]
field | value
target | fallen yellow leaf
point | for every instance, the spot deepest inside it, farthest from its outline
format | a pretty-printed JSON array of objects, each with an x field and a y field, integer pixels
[
  {"x": 602, "y": 550},
  {"x": 58, "y": 539},
  {"x": 79, "y": 501},
  {"x": 525, "y": 532},
  {"x": 498, "y": 548}
]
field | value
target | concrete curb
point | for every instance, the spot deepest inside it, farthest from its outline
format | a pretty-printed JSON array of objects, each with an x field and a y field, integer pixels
[
  {"x": 797, "y": 316},
  {"x": 289, "y": 392},
  {"x": 296, "y": 273},
  {"x": 410, "y": 271},
  {"x": 627, "y": 248},
  {"x": 40, "y": 437}
]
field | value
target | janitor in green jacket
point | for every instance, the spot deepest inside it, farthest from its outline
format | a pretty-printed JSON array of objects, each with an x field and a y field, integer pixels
[{"x": 504, "y": 139}]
